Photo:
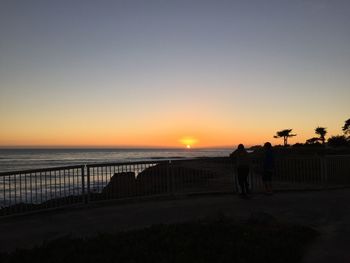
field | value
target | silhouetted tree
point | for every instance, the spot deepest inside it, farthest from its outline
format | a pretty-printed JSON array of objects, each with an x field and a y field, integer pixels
[
  {"x": 321, "y": 131},
  {"x": 346, "y": 127},
  {"x": 312, "y": 140},
  {"x": 337, "y": 141},
  {"x": 285, "y": 134}
]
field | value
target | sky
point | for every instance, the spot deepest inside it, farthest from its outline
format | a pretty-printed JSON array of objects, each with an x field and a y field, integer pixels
[{"x": 171, "y": 73}]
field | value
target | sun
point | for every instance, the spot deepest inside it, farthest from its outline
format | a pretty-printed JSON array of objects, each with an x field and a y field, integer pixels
[{"x": 188, "y": 141}]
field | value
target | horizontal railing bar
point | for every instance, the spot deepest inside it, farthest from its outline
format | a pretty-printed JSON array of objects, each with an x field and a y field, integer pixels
[
  {"x": 57, "y": 168},
  {"x": 124, "y": 163},
  {"x": 139, "y": 162},
  {"x": 41, "y": 170},
  {"x": 7, "y": 173}
]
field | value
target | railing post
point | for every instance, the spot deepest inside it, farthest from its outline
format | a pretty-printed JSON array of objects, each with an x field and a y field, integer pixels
[
  {"x": 87, "y": 199},
  {"x": 234, "y": 177},
  {"x": 168, "y": 178},
  {"x": 251, "y": 179},
  {"x": 325, "y": 165},
  {"x": 324, "y": 172},
  {"x": 83, "y": 183},
  {"x": 170, "y": 181}
]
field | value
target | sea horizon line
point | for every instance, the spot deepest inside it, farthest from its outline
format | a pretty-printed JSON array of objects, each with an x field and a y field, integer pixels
[{"x": 56, "y": 147}]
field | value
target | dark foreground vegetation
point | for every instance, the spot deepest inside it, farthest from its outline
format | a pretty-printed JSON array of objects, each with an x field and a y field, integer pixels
[{"x": 203, "y": 241}]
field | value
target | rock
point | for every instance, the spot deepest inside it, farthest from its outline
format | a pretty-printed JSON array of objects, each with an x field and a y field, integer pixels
[
  {"x": 153, "y": 180},
  {"x": 121, "y": 185}
]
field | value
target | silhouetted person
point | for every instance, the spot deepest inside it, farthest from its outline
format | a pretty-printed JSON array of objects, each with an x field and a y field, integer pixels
[
  {"x": 242, "y": 165},
  {"x": 268, "y": 167}
]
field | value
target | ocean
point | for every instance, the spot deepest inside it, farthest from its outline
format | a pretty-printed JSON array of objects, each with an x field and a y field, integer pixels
[{"x": 23, "y": 159}]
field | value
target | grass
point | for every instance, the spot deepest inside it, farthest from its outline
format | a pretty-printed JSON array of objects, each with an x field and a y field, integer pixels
[{"x": 202, "y": 241}]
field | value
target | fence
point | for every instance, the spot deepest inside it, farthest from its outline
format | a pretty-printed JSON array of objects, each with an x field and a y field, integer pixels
[{"x": 24, "y": 191}]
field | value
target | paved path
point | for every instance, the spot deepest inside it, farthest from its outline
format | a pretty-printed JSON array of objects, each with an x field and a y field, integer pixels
[{"x": 326, "y": 211}]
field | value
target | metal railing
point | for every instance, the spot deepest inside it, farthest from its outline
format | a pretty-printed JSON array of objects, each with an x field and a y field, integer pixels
[
  {"x": 23, "y": 191},
  {"x": 167, "y": 177}
]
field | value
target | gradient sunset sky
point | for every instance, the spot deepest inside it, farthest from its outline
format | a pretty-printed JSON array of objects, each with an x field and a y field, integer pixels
[{"x": 163, "y": 73}]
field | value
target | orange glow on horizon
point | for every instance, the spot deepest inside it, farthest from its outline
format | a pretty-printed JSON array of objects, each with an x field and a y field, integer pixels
[
  {"x": 108, "y": 139},
  {"x": 188, "y": 141},
  {"x": 158, "y": 134}
]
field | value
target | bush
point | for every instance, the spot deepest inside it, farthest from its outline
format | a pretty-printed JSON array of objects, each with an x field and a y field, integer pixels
[
  {"x": 338, "y": 141},
  {"x": 214, "y": 241}
]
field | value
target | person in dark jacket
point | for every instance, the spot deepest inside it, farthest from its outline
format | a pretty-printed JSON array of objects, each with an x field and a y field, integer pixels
[
  {"x": 268, "y": 167},
  {"x": 241, "y": 159}
]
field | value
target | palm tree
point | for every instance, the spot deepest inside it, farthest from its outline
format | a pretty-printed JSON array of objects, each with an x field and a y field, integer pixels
[
  {"x": 285, "y": 134},
  {"x": 321, "y": 131},
  {"x": 346, "y": 127}
]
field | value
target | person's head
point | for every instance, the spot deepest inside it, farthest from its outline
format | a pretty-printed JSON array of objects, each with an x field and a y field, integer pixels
[
  {"x": 240, "y": 147},
  {"x": 267, "y": 145}
]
